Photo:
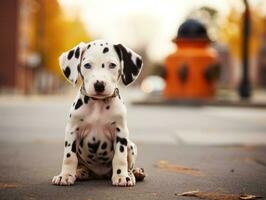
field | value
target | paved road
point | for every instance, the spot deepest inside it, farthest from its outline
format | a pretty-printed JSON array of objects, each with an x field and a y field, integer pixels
[
  {"x": 30, "y": 166},
  {"x": 206, "y": 138}
]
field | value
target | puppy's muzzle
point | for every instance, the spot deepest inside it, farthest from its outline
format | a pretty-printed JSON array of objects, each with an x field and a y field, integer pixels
[{"x": 99, "y": 86}]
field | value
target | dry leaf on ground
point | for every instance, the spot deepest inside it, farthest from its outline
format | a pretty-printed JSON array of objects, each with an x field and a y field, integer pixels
[
  {"x": 165, "y": 165},
  {"x": 217, "y": 196},
  {"x": 248, "y": 196},
  {"x": 7, "y": 185}
]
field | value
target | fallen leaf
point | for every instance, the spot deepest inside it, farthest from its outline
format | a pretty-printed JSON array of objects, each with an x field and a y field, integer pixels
[
  {"x": 248, "y": 197},
  {"x": 217, "y": 196},
  {"x": 189, "y": 193},
  {"x": 165, "y": 165},
  {"x": 7, "y": 185}
]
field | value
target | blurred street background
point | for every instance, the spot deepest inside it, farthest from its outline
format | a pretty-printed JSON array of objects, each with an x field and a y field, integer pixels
[{"x": 197, "y": 112}]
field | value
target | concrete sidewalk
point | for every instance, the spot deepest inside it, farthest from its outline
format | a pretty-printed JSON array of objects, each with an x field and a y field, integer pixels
[{"x": 28, "y": 167}]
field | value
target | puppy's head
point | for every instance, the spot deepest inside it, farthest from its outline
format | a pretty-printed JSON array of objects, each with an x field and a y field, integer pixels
[{"x": 100, "y": 64}]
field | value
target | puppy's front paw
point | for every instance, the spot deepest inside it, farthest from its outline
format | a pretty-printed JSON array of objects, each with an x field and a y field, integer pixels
[
  {"x": 121, "y": 180},
  {"x": 63, "y": 179}
]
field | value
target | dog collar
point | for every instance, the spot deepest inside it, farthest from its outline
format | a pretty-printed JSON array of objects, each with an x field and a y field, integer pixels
[{"x": 115, "y": 94}]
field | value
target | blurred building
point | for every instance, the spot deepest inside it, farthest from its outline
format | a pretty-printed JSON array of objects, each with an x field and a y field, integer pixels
[
  {"x": 32, "y": 41},
  {"x": 8, "y": 41}
]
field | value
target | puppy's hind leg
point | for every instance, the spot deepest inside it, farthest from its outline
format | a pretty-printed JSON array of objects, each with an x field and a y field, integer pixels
[
  {"x": 138, "y": 173},
  {"x": 83, "y": 173}
]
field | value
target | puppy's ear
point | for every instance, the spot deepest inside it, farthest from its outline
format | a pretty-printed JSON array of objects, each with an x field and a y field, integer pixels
[
  {"x": 131, "y": 63},
  {"x": 69, "y": 62}
]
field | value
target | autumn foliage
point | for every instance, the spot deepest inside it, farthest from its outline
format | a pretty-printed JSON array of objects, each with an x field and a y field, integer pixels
[{"x": 55, "y": 33}]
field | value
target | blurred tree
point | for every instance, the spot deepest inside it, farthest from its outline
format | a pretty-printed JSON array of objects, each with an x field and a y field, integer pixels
[
  {"x": 230, "y": 31},
  {"x": 56, "y": 33}
]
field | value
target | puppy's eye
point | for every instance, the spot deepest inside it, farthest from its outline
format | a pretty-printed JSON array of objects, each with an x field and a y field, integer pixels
[
  {"x": 112, "y": 65},
  {"x": 87, "y": 65}
]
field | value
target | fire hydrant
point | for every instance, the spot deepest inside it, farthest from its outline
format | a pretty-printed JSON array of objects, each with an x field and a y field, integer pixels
[{"x": 191, "y": 72}]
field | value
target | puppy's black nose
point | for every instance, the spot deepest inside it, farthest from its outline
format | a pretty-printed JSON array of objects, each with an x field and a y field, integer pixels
[{"x": 99, "y": 86}]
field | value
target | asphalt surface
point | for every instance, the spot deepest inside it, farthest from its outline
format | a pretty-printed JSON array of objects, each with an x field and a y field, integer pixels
[
  {"x": 30, "y": 167},
  {"x": 31, "y": 150}
]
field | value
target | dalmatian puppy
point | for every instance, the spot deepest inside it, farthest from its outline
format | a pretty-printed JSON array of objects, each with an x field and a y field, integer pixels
[{"x": 97, "y": 143}]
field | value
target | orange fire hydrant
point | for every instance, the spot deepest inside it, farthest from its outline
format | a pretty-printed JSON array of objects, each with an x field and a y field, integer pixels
[{"x": 191, "y": 72}]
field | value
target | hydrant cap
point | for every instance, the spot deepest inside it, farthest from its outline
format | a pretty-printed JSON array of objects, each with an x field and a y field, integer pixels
[{"x": 192, "y": 29}]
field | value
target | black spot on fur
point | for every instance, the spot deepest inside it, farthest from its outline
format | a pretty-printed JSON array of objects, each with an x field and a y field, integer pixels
[
  {"x": 81, "y": 142},
  {"x": 104, "y": 145},
  {"x": 77, "y": 129},
  {"x": 118, "y": 129},
  {"x": 131, "y": 147},
  {"x": 118, "y": 171},
  {"x": 102, "y": 65},
  {"x": 138, "y": 62},
  {"x": 70, "y": 54},
  {"x": 105, "y": 50},
  {"x": 77, "y": 53},
  {"x": 122, "y": 141},
  {"x": 130, "y": 69},
  {"x": 113, "y": 123},
  {"x": 118, "y": 51},
  {"x": 121, "y": 148},
  {"x": 78, "y": 104},
  {"x": 93, "y": 138},
  {"x": 101, "y": 44},
  {"x": 67, "y": 72},
  {"x": 93, "y": 147},
  {"x": 88, "y": 46},
  {"x": 127, "y": 179},
  {"x": 65, "y": 143},
  {"x": 79, "y": 151},
  {"x": 68, "y": 155},
  {"x": 73, "y": 148},
  {"x": 86, "y": 99},
  {"x": 107, "y": 107},
  {"x": 69, "y": 115}
]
